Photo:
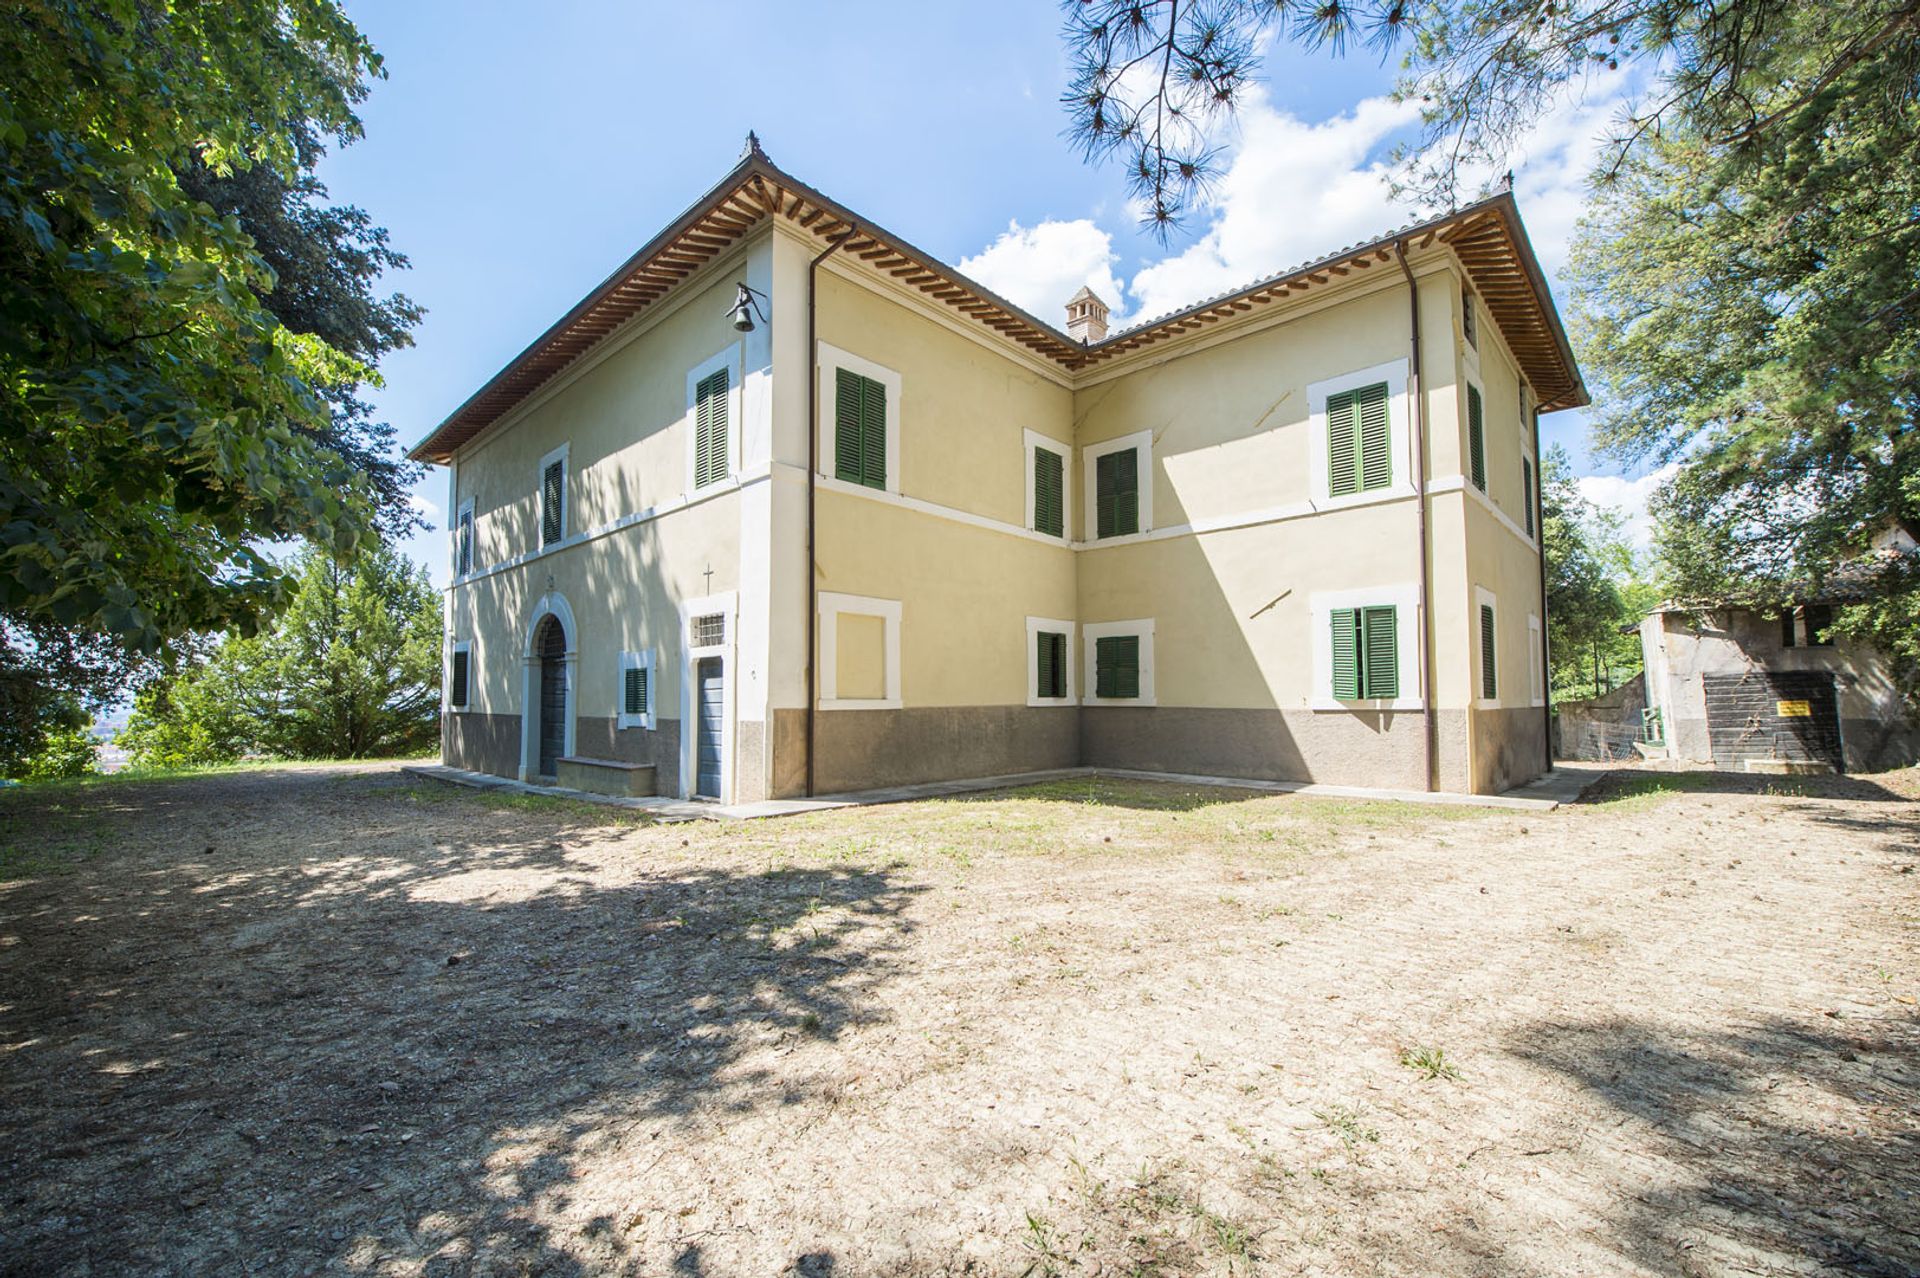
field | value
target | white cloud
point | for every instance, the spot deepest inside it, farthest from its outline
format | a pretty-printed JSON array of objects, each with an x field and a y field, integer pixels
[
  {"x": 1039, "y": 267},
  {"x": 1293, "y": 192},
  {"x": 426, "y": 507},
  {"x": 1628, "y": 497}
]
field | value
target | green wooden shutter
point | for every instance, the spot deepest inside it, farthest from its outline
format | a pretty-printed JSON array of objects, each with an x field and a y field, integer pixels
[
  {"x": 1469, "y": 322},
  {"x": 457, "y": 681},
  {"x": 1476, "y": 439},
  {"x": 1049, "y": 492},
  {"x": 873, "y": 433},
  {"x": 710, "y": 428},
  {"x": 846, "y": 426},
  {"x": 1526, "y": 492},
  {"x": 1489, "y": 684},
  {"x": 553, "y": 485},
  {"x": 859, "y": 429},
  {"x": 1375, "y": 437},
  {"x": 636, "y": 690},
  {"x": 1346, "y": 654},
  {"x": 1117, "y": 484},
  {"x": 1380, "y": 652},
  {"x": 1051, "y": 660},
  {"x": 465, "y": 553},
  {"x": 1116, "y": 660},
  {"x": 1343, "y": 472}
]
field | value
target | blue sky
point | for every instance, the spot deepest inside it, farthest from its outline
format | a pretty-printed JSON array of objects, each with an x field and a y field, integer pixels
[{"x": 516, "y": 160}]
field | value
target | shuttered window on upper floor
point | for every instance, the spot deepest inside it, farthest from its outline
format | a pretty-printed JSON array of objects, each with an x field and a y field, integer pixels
[
  {"x": 1366, "y": 653},
  {"x": 1359, "y": 441},
  {"x": 1476, "y": 439},
  {"x": 1117, "y": 493},
  {"x": 710, "y": 427},
  {"x": 1526, "y": 492},
  {"x": 1049, "y": 492},
  {"x": 553, "y": 496},
  {"x": 859, "y": 429}
]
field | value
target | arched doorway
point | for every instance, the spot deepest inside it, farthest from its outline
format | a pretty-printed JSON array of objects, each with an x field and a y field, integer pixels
[{"x": 550, "y": 736}]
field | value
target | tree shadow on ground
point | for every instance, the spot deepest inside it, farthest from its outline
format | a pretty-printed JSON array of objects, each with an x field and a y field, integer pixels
[
  {"x": 1739, "y": 1187},
  {"x": 390, "y": 1036}
]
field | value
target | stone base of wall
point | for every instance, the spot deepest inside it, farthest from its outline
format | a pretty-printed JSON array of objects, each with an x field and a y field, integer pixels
[
  {"x": 871, "y": 749},
  {"x": 1382, "y": 749},
  {"x": 1875, "y": 745},
  {"x": 1509, "y": 748},
  {"x": 487, "y": 743},
  {"x": 597, "y": 737}
]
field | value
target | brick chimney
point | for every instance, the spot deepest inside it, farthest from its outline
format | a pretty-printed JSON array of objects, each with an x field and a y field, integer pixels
[{"x": 1086, "y": 316}]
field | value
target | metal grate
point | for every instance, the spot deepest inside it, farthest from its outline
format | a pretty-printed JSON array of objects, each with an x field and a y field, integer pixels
[{"x": 708, "y": 630}]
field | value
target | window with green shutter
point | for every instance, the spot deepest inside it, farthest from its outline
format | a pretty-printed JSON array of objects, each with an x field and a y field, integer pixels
[
  {"x": 1116, "y": 477},
  {"x": 1359, "y": 441},
  {"x": 1049, "y": 492},
  {"x": 1476, "y": 439},
  {"x": 1050, "y": 664},
  {"x": 1366, "y": 653},
  {"x": 710, "y": 449},
  {"x": 1489, "y": 681},
  {"x": 634, "y": 701},
  {"x": 457, "y": 679},
  {"x": 859, "y": 429},
  {"x": 553, "y": 496},
  {"x": 1116, "y": 666},
  {"x": 1526, "y": 492},
  {"x": 1469, "y": 322}
]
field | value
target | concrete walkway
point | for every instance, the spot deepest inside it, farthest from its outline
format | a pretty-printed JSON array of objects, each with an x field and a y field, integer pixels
[{"x": 1564, "y": 784}]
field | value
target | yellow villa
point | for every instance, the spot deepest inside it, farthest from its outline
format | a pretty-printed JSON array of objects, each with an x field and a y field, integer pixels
[{"x": 786, "y": 506}]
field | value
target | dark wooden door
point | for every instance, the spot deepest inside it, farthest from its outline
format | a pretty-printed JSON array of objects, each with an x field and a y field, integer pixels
[
  {"x": 1773, "y": 714},
  {"x": 710, "y": 708},
  {"x": 553, "y": 697}
]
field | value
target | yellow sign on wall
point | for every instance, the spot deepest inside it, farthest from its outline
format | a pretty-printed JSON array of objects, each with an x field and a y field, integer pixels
[{"x": 1793, "y": 709}]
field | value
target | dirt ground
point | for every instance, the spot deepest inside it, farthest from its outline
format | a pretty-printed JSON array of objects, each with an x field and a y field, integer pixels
[{"x": 296, "y": 1021}]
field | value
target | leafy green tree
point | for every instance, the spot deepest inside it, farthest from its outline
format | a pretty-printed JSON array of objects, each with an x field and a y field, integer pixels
[
  {"x": 356, "y": 660},
  {"x": 157, "y": 421},
  {"x": 1592, "y": 586},
  {"x": 351, "y": 669}
]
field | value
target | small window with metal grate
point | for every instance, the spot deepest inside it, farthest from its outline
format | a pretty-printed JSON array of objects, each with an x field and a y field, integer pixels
[{"x": 708, "y": 630}]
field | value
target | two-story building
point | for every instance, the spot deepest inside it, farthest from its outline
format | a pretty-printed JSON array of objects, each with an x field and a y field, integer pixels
[{"x": 788, "y": 506}]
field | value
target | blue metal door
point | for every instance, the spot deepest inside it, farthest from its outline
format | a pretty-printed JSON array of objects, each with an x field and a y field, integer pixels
[{"x": 710, "y": 707}]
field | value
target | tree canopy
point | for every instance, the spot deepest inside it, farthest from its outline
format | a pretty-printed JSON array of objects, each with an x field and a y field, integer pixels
[{"x": 159, "y": 420}]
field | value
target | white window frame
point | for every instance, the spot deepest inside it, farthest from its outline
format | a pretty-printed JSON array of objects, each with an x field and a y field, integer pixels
[
  {"x": 1090, "y": 455},
  {"x": 1050, "y": 625},
  {"x": 566, "y": 512},
  {"x": 828, "y": 359},
  {"x": 1482, "y": 597},
  {"x": 1031, "y": 440},
  {"x": 643, "y": 660},
  {"x": 728, "y": 359},
  {"x": 463, "y": 526},
  {"x": 1399, "y": 435},
  {"x": 459, "y": 647},
  {"x": 726, "y": 604},
  {"x": 832, "y": 606},
  {"x": 1091, "y": 634},
  {"x": 1404, "y": 599},
  {"x": 1536, "y": 662}
]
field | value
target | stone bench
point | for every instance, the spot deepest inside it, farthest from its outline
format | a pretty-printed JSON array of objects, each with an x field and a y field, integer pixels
[{"x": 606, "y": 776}]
